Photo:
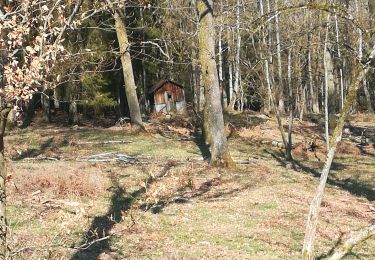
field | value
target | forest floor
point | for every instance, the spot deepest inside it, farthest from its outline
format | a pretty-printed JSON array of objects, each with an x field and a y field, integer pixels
[{"x": 74, "y": 195}]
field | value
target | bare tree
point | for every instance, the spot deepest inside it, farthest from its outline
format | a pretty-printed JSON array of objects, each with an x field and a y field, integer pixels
[
  {"x": 312, "y": 219},
  {"x": 130, "y": 87},
  {"x": 214, "y": 115}
]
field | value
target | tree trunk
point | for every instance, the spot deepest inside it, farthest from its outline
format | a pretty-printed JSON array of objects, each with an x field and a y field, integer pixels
[
  {"x": 234, "y": 89},
  {"x": 313, "y": 93},
  {"x": 130, "y": 87},
  {"x": 267, "y": 105},
  {"x": 30, "y": 111},
  {"x": 360, "y": 56},
  {"x": 219, "y": 148},
  {"x": 3, "y": 175},
  {"x": 144, "y": 76},
  {"x": 56, "y": 98},
  {"x": 237, "y": 69},
  {"x": 280, "y": 96},
  {"x": 45, "y": 100},
  {"x": 220, "y": 46},
  {"x": 329, "y": 92},
  {"x": 288, "y": 150},
  {"x": 312, "y": 219},
  {"x": 341, "y": 73},
  {"x": 73, "y": 112}
]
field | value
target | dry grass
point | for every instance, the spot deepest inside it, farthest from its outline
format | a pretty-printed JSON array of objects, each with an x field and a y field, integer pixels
[
  {"x": 257, "y": 211},
  {"x": 59, "y": 180}
]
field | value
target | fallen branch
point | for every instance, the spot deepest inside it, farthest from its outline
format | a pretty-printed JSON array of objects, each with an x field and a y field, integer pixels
[
  {"x": 87, "y": 245},
  {"x": 356, "y": 238},
  {"x": 42, "y": 158},
  {"x": 242, "y": 161},
  {"x": 104, "y": 142},
  {"x": 12, "y": 254},
  {"x": 109, "y": 157}
]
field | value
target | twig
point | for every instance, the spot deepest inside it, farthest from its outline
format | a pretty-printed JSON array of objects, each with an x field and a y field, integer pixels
[
  {"x": 87, "y": 245},
  {"x": 21, "y": 250}
]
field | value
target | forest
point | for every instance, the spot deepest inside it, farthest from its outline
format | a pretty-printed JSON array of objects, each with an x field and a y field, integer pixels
[{"x": 189, "y": 129}]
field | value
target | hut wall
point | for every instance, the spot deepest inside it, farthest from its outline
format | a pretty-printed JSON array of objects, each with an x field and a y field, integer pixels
[{"x": 176, "y": 92}]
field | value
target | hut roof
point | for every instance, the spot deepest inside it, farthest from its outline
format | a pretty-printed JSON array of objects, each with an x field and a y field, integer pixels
[{"x": 160, "y": 84}]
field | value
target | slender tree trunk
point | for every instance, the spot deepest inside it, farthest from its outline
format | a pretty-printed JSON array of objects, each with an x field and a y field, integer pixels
[
  {"x": 302, "y": 104},
  {"x": 312, "y": 219},
  {"x": 329, "y": 97},
  {"x": 237, "y": 69},
  {"x": 288, "y": 150},
  {"x": 281, "y": 105},
  {"x": 360, "y": 56},
  {"x": 341, "y": 73},
  {"x": 231, "y": 92},
  {"x": 3, "y": 175},
  {"x": 130, "y": 87},
  {"x": 267, "y": 105},
  {"x": 195, "y": 78},
  {"x": 313, "y": 93},
  {"x": 30, "y": 111},
  {"x": 45, "y": 100},
  {"x": 219, "y": 148},
  {"x": 220, "y": 46},
  {"x": 144, "y": 79},
  {"x": 73, "y": 112},
  {"x": 56, "y": 98}
]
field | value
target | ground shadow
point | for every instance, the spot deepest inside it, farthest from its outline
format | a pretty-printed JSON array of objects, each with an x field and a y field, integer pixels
[
  {"x": 330, "y": 252},
  {"x": 35, "y": 152},
  {"x": 364, "y": 152},
  {"x": 97, "y": 238},
  {"x": 102, "y": 225},
  {"x": 203, "y": 147},
  {"x": 353, "y": 186},
  {"x": 205, "y": 192}
]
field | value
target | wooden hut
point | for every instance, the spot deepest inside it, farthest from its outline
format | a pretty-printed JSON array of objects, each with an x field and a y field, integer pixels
[{"x": 166, "y": 96}]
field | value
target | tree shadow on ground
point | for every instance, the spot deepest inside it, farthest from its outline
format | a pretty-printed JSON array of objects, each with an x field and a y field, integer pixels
[
  {"x": 353, "y": 186},
  {"x": 364, "y": 152},
  {"x": 201, "y": 144},
  {"x": 97, "y": 238},
  {"x": 208, "y": 190},
  {"x": 330, "y": 252},
  {"x": 35, "y": 152}
]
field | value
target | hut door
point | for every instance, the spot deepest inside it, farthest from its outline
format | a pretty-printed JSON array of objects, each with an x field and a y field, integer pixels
[{"x": 169, "y": 102}]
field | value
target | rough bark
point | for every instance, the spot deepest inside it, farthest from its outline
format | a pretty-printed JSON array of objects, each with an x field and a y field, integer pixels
[
  {"x": 219, "y": 148},
  {"x": 288, "y": 149},
  {"x": 312, "y": 219},
  {"x": 3, "y": 175},
  {"x": 130, "y": 87},
  {"x": 355, "y": 239}
]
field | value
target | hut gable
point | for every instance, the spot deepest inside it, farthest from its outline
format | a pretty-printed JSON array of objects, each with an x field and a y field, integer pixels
[{"x": 167, "y": 96}]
